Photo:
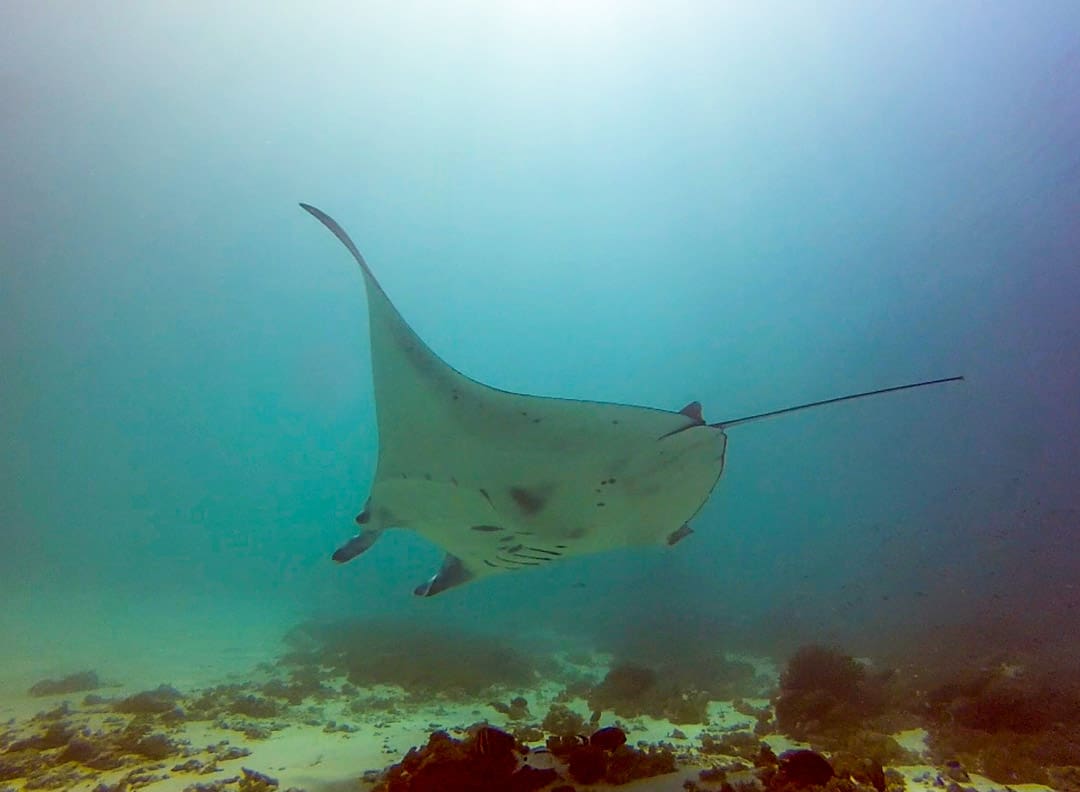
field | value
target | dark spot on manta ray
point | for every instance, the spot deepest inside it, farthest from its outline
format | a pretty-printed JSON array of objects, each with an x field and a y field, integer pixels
[
  {"x": 486, "y": 528},
  {"x": 427, "y": 476},
  {"x": 528, "y": 501},
  {"x": 599, "y": 503}
]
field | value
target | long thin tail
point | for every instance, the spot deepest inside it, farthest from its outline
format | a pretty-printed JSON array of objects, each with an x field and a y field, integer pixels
[{"x": 796, "y": 408}]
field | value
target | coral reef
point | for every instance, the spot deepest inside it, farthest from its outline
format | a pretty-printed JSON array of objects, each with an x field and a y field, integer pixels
[
  {"x": 1003, "y": 700},
  {"x": 824, "y": 692},
  {"x": 61, "y": 754},
  {"x": 678, "y": 688},
  {"x": 998, "y": 720},
  {"x": 517, "y": 709},
  {"x": 486, "y": 761},
  {"x": 1007, "y": 725},
  {"x": 608, "y": 739},
  {"x": 605, "y": 757},
  {"x": 738, "y": 744},
  {"x": 159, "y": 701},
  {"x": 73, "y": 683},
  {"x": 424, "y": 660},
  {"x": 490, "y": 760},
  {"x": 803, "y": 768},
  {"x": 629, "y": 691},
  {"x": 63, "y": 747},
  {"x": 993, "y": 719},
  {"x": 563, "y": 721}
]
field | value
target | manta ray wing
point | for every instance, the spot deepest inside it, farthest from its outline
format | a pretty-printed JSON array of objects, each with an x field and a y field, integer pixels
[{"x": 506, "y": 481}]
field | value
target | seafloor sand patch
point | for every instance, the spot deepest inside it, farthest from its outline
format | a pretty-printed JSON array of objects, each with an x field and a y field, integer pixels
[{"x": 329, "y": 712}]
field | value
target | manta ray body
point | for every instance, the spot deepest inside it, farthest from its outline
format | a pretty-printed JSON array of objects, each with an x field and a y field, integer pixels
[{"x": 506, "y": 481}]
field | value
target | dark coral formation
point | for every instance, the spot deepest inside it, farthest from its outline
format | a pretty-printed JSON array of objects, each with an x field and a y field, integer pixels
[
  {"x": 490, "y": 760},
  {"x": 424, "y": 660},
  {"x": 824, "y": 692},
  {"x": 517, "y": 709},
  {"x": 995, "y": 701},
  {"x": 159, "y": 701},
  {"x": 563, "y": 721},
  {"x": 1008, "y": 725},
  {"x": 60, "y": 748},
  {"x": 739, "y": 744},
  {"x": 254, "y": 781},
  {"x": 677, "y": 689},
  {"x": 72, "y": 683},
  {"x": 61, "y": 754},
  {"x": 608, "y": 739},
  {"x": 802, "y": 769},
  {"x": 630, "y": 690},
  {"x": 486, "y": 761},
  {"x": 992, "y": 718},
  {"x": 605, "y": 757}
]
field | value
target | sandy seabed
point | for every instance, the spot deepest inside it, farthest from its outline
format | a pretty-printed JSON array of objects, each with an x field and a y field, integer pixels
[{"x": 179, "y": 706}]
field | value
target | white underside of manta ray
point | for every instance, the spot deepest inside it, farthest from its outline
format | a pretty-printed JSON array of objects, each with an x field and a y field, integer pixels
[{"x": 505, "y": 481}]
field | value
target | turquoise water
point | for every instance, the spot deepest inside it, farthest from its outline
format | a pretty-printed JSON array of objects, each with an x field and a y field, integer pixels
[{"x": 751, "y": 206}]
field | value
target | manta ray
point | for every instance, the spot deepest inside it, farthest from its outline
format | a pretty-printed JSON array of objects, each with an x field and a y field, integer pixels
[{"x": 506, "y": 481}]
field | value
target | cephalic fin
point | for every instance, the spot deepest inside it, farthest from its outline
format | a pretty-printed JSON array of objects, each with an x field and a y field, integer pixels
[
  {"x": 356, "y": 545},
  {"x": 679, "y": 534},
  {"x": 452, "y": 573}
]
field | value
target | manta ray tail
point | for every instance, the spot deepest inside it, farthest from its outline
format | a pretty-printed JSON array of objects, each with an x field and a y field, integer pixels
[{"x": 834, "y": 400}]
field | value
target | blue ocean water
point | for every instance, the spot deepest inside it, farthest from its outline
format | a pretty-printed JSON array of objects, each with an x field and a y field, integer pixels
[{"x": 750, "y": 205}]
